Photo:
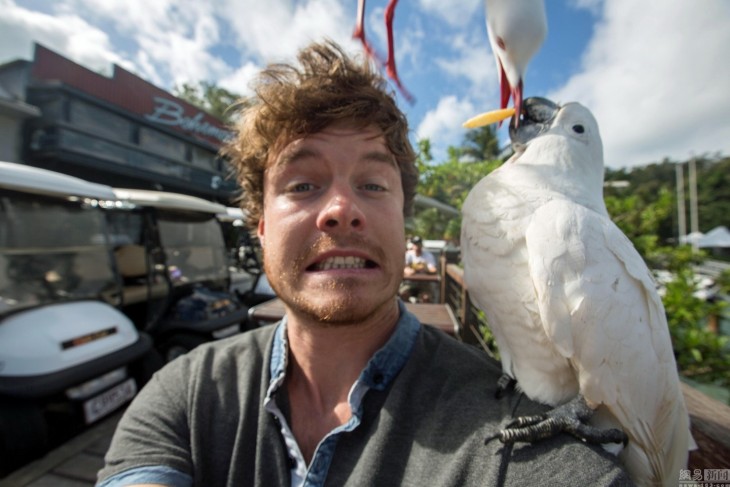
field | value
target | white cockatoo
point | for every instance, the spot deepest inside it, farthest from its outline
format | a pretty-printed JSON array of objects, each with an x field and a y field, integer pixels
[
  {"x": 572, "y": 305},
  {"x": 516, "y": 30}
]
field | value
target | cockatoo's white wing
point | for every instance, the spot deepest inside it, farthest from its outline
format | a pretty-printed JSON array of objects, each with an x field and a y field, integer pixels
[
  {"x": 599, "y": 307},
  {"x": 492, "y": 239},
  {"x": 495, "y": 215}
]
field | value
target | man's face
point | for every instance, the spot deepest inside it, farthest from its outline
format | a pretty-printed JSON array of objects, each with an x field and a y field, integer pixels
[{"x": 332, "y": 228}]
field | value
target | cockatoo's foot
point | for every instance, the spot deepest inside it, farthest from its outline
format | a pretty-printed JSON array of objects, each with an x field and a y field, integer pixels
[
  {"x": 505, "y": 384},
  {"x": 572, "y": 417}
]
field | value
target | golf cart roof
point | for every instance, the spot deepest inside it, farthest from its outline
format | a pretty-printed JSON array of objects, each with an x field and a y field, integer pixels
[
  {"x": 232, "y": 213},
  {"x": 21, "y": 177},
  {"x": 167, "y": 200}
]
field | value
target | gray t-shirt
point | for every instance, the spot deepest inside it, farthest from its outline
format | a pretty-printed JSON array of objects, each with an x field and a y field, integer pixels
[{"x": 427, "y": 428}]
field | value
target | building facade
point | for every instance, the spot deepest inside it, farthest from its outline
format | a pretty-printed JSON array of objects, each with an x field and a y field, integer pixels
[{"x": 118, "y": 130}]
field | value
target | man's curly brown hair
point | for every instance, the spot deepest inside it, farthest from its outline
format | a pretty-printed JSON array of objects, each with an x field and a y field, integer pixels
[{"x": 291, "y": 103}]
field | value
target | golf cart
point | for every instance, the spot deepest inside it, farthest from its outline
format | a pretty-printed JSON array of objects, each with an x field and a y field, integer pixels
[
  {"x": 68, "y": 356},
  {"x": 248, "y": 280},
  {"x": 172, "y": 257}
]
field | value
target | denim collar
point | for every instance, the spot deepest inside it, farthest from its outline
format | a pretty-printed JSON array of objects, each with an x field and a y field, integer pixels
[{"x": 380, "y": 370}]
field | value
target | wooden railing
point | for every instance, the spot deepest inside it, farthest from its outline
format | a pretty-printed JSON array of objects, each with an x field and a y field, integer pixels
[{"x": 710, "y": 419}]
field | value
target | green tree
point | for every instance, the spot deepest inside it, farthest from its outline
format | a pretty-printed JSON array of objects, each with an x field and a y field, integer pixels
[
  {"x": 450, "y": 183},
  {"x": 640, "y": 219},
  {"x": 480, "y": 144},
  {"x": 207, "y": 96},
  {"x": 713, "y": 193}
]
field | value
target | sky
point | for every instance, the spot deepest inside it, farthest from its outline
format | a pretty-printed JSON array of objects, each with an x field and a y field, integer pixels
[{"x": 655, "y": 73}]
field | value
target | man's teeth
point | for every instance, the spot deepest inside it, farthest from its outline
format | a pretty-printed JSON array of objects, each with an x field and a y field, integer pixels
[{"x": 341, "y": 263}]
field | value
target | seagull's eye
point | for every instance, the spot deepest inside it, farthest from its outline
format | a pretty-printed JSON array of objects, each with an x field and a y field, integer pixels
[{"x": 578, "y": 129}]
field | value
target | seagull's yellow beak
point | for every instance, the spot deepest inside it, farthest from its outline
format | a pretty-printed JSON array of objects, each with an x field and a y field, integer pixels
[{"x": 488, "y": 118}]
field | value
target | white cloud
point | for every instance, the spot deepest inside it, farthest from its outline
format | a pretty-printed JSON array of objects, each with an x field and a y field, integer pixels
[
  {"x": 442, "y": 126},
  {"x": 453, "y": 13},
  {"x": 475, "y": 64},
  {"x": 593, "y": 6},
  {"x": 656, "y": 78},
  {"x": 238, "y": 81},
  {"x": 168, "y": 41},
  {"x": 68, "y": 34},
  {"x": 274, "y": 31}
]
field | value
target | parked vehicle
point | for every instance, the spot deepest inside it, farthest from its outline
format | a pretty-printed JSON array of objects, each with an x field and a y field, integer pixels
[
  {"x": 172, "y": 257},
  {"x": 68, "y": 356},
  {"x": 248, "y": 280}
]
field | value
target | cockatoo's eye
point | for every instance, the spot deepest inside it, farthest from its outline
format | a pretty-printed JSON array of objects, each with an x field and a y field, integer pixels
[{"x": 578, "y": 129}]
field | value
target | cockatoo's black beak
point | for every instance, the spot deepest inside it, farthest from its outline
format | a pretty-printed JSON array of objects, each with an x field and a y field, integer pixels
[{"x": 537, "y": 116}]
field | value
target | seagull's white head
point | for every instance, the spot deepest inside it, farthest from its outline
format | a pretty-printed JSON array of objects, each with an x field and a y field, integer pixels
[{"x": 516, "y": 29}]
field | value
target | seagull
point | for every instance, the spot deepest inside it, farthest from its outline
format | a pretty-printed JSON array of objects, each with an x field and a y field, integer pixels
[
  {"x": 572, "y": 305},
  {"x": 516, "y": 31}
]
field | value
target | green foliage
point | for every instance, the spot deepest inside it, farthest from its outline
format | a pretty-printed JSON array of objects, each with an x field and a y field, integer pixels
[
  {"x": 649, "y": 183},
  {"x": 448, "y": 182},
  {"x": 701, "y": 354},
  {"x": 480, "y": 144},
  {"x": 640, "y": 219},
  {"x": 207, "y": 96}
]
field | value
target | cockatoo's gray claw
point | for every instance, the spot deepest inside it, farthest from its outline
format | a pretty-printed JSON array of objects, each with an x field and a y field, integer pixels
[
  {"x": 505, "y": 384},
  {"x": 571, "y": 418}
]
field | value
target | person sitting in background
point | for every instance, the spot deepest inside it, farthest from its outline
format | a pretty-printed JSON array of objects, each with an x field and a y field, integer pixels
[{"x": 418, "y": 261}]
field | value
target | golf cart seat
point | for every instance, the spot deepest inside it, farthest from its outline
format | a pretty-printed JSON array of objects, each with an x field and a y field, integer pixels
[{"x": 132, "y": 265}]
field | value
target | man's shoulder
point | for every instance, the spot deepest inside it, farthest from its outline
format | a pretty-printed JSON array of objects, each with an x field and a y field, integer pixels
[
  {"x": 449, "y": 351},
  {"x": 247, "y": 350},
  {"x": 457, "y": 372}
]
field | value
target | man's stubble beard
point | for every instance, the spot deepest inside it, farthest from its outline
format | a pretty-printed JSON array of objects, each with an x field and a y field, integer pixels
[{"x": 344, "y": 308}]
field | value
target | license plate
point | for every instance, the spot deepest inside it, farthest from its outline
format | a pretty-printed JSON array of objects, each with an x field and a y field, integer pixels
[{"x": 106, "y": 402}]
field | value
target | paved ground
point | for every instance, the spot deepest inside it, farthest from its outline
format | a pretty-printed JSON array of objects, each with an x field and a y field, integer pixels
[{"x": 73, "y": 464}]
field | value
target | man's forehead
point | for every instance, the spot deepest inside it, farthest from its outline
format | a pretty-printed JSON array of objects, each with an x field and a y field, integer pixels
[{"x": 311, "y": 146}]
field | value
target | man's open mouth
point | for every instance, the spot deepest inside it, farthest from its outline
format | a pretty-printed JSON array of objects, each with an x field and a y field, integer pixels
[{"x": 339, "y": 262}]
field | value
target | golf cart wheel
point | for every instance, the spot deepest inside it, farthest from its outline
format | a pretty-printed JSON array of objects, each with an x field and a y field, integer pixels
[
  {"x": 23, "y": 433},
  {"x": 179, "y": 345}
]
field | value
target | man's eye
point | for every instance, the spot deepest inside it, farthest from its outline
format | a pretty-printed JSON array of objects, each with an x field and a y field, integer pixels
[
  {"x": 301, "y": 187},
  {"x": 373, "y": 187}
]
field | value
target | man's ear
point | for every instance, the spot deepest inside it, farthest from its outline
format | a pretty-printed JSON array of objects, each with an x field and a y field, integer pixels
[{"x": 260, "y": 231}]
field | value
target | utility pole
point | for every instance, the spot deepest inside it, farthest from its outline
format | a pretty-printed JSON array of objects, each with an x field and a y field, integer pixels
[
  {"x": 693, "y": 211},
  {"x": 681, "y": 218}
]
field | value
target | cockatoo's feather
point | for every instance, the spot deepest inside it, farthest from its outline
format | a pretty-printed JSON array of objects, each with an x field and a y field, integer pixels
[{"x": 572, "y": 305}]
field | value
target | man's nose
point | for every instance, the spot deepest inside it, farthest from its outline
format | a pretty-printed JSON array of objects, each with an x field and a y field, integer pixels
[{"x": 341, "y": 210}]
